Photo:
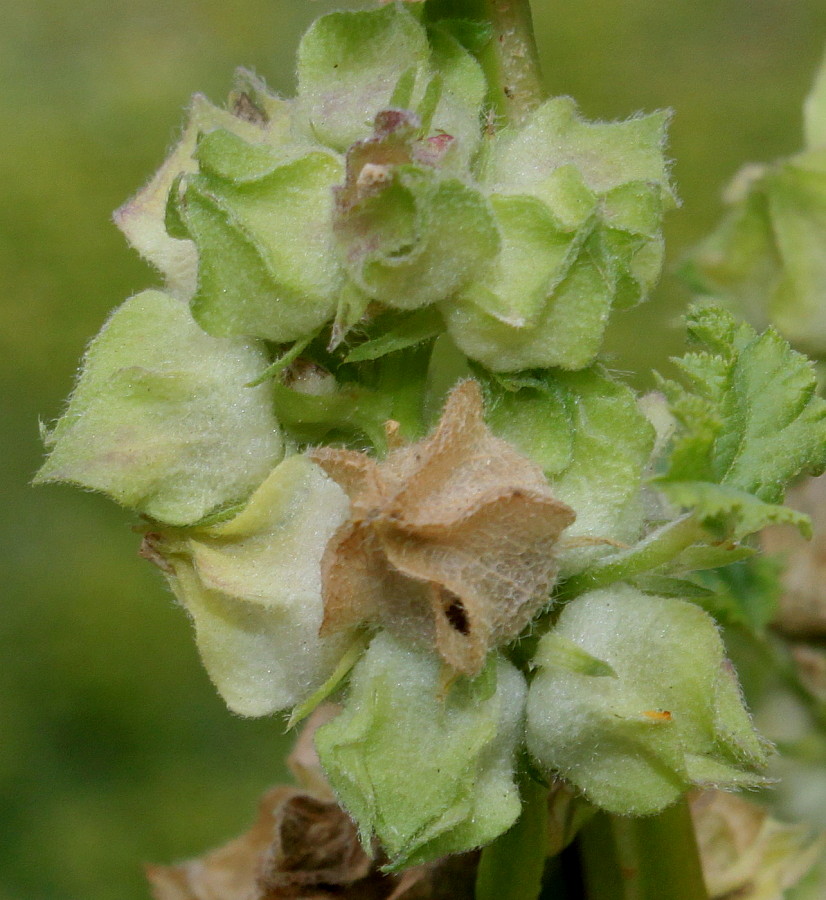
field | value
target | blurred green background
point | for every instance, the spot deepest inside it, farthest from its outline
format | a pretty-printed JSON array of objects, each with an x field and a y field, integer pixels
[{"x": 114, "y": 748}]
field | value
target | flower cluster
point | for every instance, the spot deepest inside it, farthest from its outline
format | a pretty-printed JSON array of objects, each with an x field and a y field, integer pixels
[{"x": 366, "y": 426}]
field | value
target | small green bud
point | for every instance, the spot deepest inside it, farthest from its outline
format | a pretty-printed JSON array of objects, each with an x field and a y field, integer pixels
[
  {"x": 409, "y": 236},
  {"x": 670, "y": 716},
  {"x": 162, "y": 419},
  {"x": 427, "y": 767}
]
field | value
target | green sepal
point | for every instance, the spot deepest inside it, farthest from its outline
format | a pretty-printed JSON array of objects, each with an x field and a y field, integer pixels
[
  {"x": 557, "y": 651},
  {"x": 143, "y": 218},
  {"x": 266, "y": 263},
  {"x": 425, "y": 765},
  {"x": 351, "y": 65},
  {"x": 162, "y": 419},
  {"x": 668, "y": 586},
  {"x": 397, "y": 331},
  {"x": 672, "y": 716},
  {"x": 607, "y": 154},
  {"x": 545, "y": 301},
  {"x": 252, "y": 585},
  {"x": 579, "y": 206},
  {"x": 593, "y": 442},
  {"x": 348, "y": 66},
  {"x": 473, "y": 34}
]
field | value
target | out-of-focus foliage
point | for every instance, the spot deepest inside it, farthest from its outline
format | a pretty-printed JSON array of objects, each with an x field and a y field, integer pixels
[{"x": 115, "y": 748}]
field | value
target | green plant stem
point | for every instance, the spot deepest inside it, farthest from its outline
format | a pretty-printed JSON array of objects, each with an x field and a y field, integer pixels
[
  {"x": 510, "y": 60},
  {"x": 518, "y": 79},
  {"x": 649, "y": 858},
  {"x": 511, "y": 867}
]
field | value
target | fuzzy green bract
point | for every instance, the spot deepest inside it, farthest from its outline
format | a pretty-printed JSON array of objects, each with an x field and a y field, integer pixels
[
  {"x": 749, "y": 421},
  {"x": 161, "y": 418},
  {"x": 634, "y": 703},
  {"x": 252, "y": 586},
  {"x": 142, "y": 219},
  {"x": 427, "y": 768},
  {"x": 262, "y": 228},
  {"x": 593, "y": 442}
]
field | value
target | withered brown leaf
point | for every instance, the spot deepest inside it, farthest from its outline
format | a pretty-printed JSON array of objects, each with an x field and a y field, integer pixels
[{"x": 450, "y": 540}]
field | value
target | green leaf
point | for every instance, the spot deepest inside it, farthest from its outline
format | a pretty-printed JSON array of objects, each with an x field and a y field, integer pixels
[
  {"x": 749, "y": 422},
  {"x": 733, "y": 512},
  {"x": 161, "y": 418},
  {"x": 252, "y": 586},
  {"x": 266, "y": 264},
  {"x": 670, "y": 717},
  {"x": 398, "y": 332},
  {"x": 426, "y": 767}
]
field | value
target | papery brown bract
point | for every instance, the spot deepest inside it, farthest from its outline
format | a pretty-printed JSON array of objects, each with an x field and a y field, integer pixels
[{"x": 450, "y": 540}]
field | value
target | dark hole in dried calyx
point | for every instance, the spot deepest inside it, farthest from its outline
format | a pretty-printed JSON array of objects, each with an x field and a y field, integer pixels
[{"x": 456, "y": 613}]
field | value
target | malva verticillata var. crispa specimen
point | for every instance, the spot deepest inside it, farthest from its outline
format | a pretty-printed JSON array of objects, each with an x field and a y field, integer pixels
[{"x": 365, "y": 424}]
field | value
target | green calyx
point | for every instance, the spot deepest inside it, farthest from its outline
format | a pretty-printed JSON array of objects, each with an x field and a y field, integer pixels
[
  {"x": 455, "y": 743},
  {"x": 634, "y": 703},
  {"x": 252, "y": 587}
]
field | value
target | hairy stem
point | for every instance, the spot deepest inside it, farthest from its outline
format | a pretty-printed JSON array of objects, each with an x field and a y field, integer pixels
[
  {"x": 519, "y": 78},
  {"x": 511, "y": 61}
]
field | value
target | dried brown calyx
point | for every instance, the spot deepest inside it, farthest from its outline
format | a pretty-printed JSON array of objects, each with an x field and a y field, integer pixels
[
  {"x": 450, "y": 540},
  {"x": 303, "y": 846}
]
